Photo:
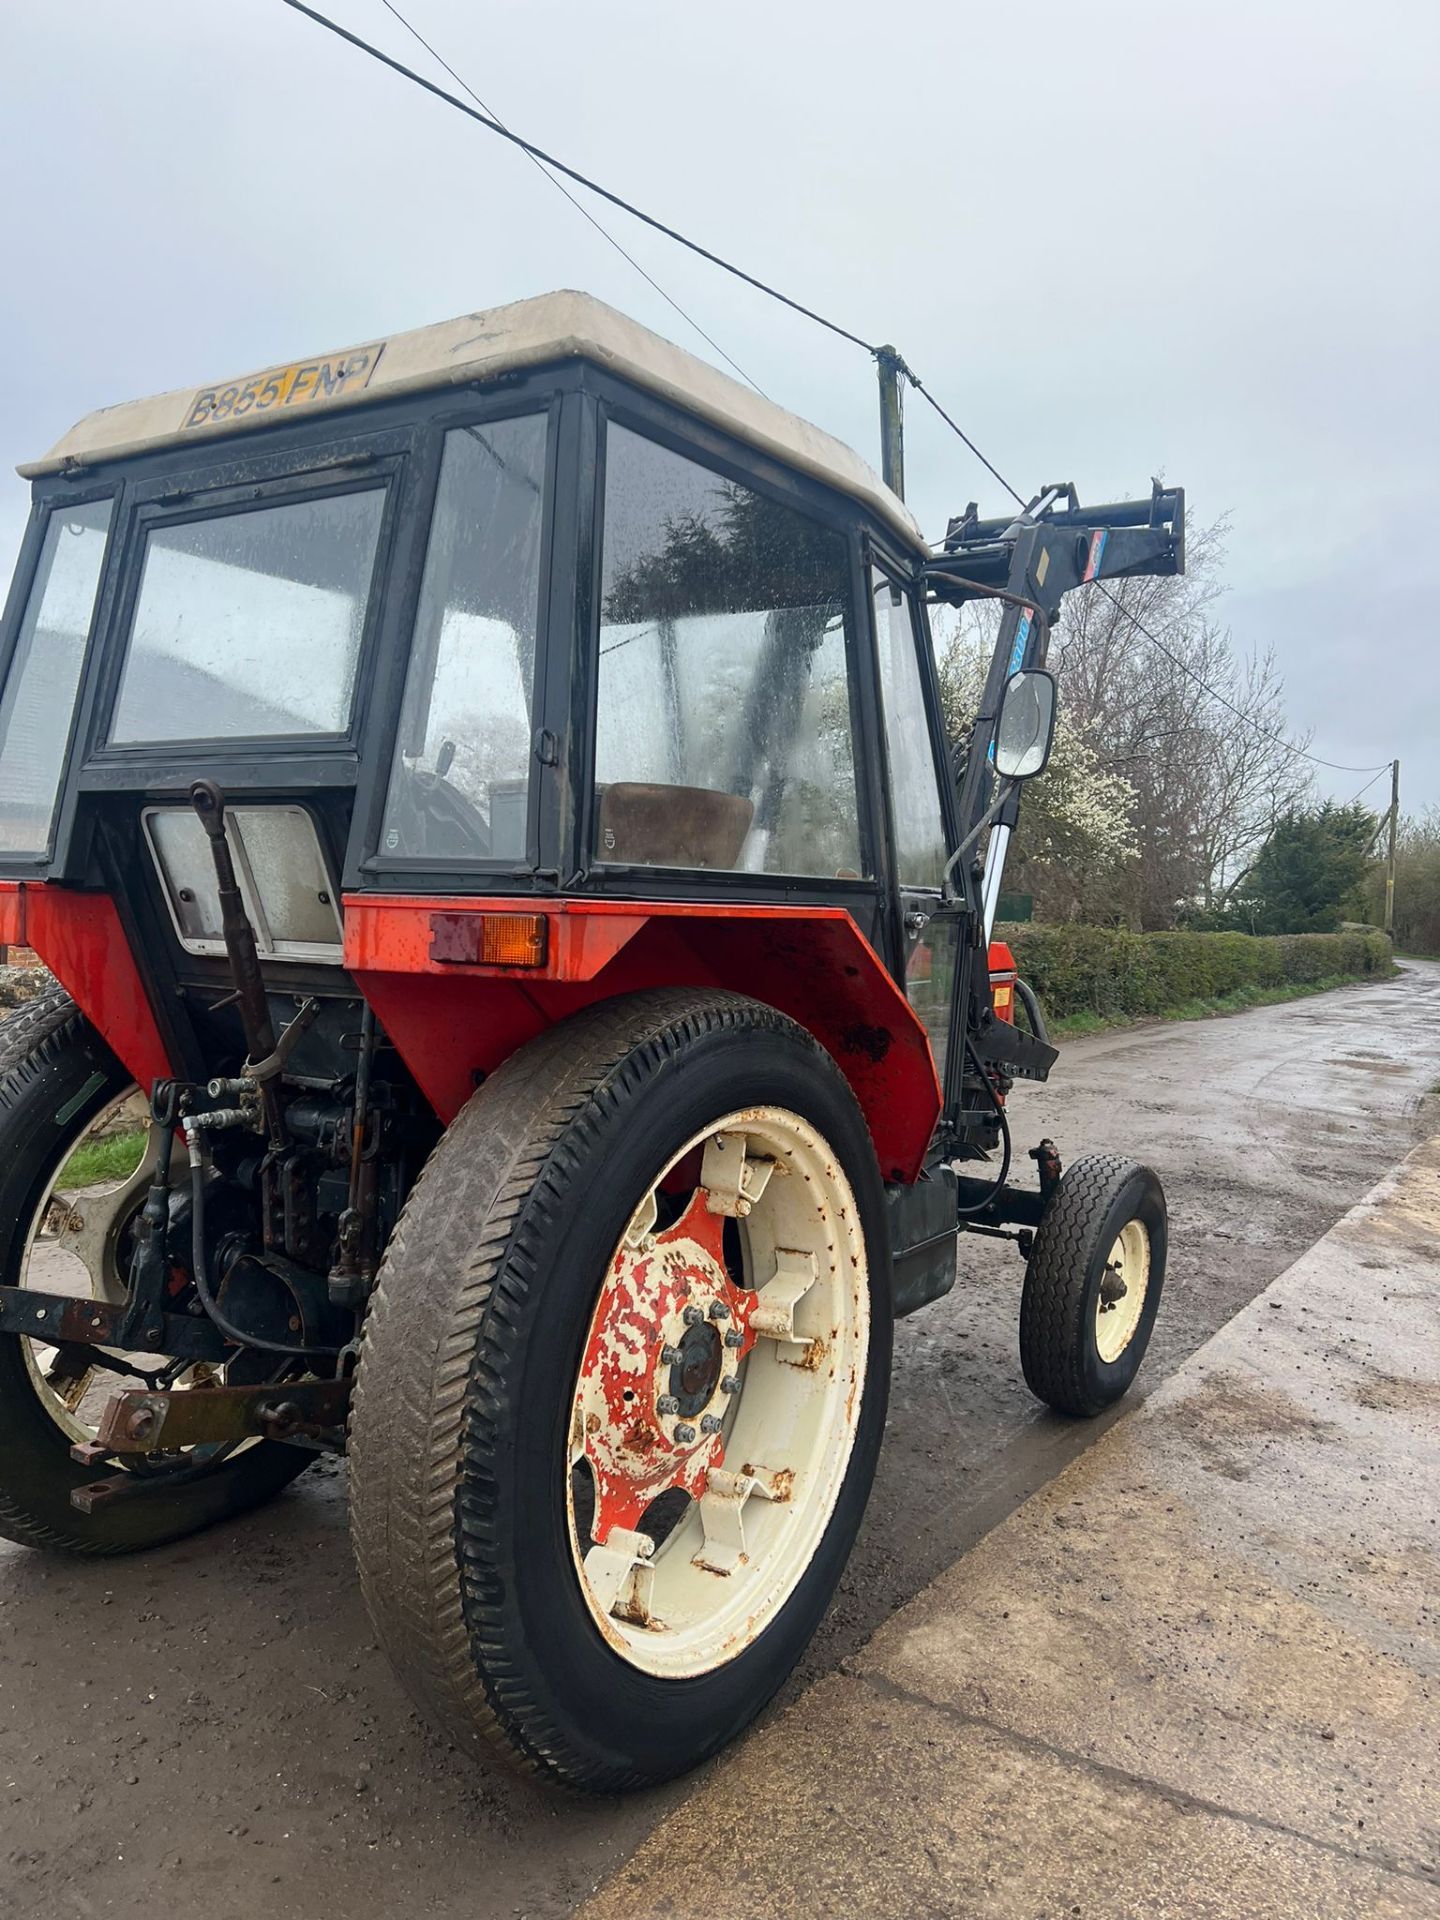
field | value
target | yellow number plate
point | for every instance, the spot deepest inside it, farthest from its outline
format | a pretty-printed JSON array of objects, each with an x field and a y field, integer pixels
[{"x": 299, "y": 385}]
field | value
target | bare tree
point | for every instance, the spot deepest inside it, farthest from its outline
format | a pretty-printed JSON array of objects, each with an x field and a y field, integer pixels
[{"x": 1194, "y": 731}]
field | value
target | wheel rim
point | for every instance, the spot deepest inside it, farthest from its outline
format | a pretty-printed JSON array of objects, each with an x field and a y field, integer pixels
[
  {"x": 74, "y": 1246},
  {"x": 1121, "y": 1297},
  {"x": 718, "y": 1395}
]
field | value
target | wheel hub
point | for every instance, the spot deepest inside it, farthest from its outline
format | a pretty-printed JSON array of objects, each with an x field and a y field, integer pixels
[
  {"x": 696, "y": 1374},
  {"x": 658, "y": 1368}
]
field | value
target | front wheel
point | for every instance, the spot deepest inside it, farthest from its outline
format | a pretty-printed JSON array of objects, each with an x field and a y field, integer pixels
[
  {"x": 622, "y": 1388},
  {"x": 1092, "y": 1284}
]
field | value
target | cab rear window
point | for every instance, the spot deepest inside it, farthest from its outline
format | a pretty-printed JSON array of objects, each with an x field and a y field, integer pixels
[{"x": 249, "y": 624}]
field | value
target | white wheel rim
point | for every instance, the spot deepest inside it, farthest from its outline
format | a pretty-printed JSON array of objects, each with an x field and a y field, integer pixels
[
  {"x": 72, "y": 1248},
  {"x": 1127, "y": 1266},
  {"x": 681, "y": 1596}
]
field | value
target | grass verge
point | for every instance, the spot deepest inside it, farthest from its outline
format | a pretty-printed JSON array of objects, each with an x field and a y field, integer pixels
[
  {"x": 106, "y": 1161},
  {"x": 1074, "y": 1024}
]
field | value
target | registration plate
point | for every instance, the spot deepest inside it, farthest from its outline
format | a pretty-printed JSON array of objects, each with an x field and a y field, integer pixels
[{"x": 280, "y": 389}]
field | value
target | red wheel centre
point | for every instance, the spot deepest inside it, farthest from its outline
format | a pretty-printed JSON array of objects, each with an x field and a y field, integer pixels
[{"x": 670, "y": 1331}]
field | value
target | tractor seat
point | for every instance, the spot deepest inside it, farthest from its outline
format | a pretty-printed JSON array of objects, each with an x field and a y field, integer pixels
[{"x": 644, "y": 825}]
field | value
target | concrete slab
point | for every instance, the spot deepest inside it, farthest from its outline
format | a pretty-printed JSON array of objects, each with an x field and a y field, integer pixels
[
  {"x": 1196, "y": 1675},
  {"x": 863, "y": 1802}
]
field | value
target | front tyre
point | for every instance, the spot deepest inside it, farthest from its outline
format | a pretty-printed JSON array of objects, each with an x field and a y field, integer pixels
[
  {"x": 1093, "y": 1284},
  {"x": 622, "y": 1388}
]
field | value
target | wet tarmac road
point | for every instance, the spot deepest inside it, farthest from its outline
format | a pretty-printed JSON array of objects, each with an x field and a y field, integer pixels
[{"x": 210, "y": 1729}]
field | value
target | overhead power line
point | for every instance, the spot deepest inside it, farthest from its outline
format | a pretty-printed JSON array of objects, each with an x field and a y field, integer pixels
[
  {"x": 548, "y": 161},
  {"x": 573, "y": 173},
  {"x": 1249, "y": 719},
  {"x": 579, "y": 205}
]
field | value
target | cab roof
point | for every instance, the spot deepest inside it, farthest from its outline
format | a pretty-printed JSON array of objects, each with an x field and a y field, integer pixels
[{"x": 478, "y": 346}]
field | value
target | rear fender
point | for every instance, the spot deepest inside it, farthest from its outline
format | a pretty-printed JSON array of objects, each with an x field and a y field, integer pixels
[
  {"x": 454, "y": 1021},
  {"x": 81, "y": 940}
]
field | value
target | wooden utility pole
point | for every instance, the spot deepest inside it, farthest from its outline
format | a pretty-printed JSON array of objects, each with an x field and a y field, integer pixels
[
  {"x": 1390, "y": 851},
  {"x": 892, "y": 420}
]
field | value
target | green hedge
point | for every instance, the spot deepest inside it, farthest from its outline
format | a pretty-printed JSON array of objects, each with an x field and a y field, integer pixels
[{"x": 1109, "y": 972}]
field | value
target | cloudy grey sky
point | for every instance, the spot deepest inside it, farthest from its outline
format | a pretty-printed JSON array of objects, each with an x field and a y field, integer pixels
[{"x": 1114, "y": 239}]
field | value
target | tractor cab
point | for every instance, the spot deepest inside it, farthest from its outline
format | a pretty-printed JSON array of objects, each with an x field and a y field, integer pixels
[{"x": 483, "y": 794}]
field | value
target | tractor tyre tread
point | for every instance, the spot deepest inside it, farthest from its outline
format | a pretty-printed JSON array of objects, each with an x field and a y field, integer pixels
[{"x": 31, "y": 1023}]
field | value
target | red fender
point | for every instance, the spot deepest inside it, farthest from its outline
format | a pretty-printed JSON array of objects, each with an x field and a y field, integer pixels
[
  {"x": 454, "y": 1020},
  {"x": 80, "y": 939}
]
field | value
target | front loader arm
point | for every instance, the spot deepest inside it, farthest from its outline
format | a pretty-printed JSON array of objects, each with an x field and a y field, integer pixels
[{"x": 1030, "y": 561}]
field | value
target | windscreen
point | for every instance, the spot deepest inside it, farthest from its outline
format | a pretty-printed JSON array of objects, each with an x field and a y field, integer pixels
[
  {"x": 249, "y": 624},
  {"x": 38, "y": 706}
]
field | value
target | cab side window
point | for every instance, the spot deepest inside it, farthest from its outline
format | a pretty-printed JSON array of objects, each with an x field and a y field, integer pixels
[
  {"x": 723, "y": 729},
  {"x": 916, "y": 810},
  {"x": 914, "y": 777}
]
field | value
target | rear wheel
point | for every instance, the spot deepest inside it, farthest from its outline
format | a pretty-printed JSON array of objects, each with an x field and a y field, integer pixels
[
  {"x": 75, "y": 1158},
  {"x": 1092, "y": 1284},
  {"x": 622, "y": 1388}
]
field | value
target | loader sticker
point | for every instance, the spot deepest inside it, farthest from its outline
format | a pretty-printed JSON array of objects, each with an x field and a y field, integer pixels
[
  {"x": 334, "y": 376},
  {"x": 1096, "y": 555},
  {"x": 1022, "y": 634},
  {"x": 1017, "y": 657}
]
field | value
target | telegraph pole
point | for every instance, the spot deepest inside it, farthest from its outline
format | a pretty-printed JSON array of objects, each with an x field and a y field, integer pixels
[
  {"x": 1390, "y": 852},
  {"x": 892, "y": 420}
]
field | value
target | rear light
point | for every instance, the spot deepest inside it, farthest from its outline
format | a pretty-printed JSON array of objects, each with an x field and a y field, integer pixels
[
  {"x": 490, "y": 939},
  {"x": 1002, "y": 992}
]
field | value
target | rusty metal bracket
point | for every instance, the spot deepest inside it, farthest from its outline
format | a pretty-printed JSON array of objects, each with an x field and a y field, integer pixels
[
  {"x": 62, "y": 1320},
  {"x": 141, "y": 1421}
]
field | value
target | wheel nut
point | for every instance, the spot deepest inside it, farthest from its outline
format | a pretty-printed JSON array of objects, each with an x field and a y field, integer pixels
[
  {"x": 730, "y": 1384},
  {"x": 692, "y": 1316},
  {"x": 719, "y": 1310},
  {"x": 667, "y": 1403},
  {"x": 684, "y": 1435},
  {"x": 670, "y": 1356},
  {"x": 734, "y": 1337},
  {"x": 711, "y": 1423}
]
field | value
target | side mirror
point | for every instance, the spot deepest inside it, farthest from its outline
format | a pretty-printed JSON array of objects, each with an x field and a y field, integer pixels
[{"x": 1025, "y": 730}]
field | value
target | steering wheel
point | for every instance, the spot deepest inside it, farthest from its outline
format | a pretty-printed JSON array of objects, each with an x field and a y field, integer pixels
[{"x": 429, "y": 816}]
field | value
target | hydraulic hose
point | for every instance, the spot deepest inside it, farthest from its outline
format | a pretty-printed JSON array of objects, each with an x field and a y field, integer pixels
[
  {"x": 979, "y": 1206},
  {"x": 1025, "y": 994}
]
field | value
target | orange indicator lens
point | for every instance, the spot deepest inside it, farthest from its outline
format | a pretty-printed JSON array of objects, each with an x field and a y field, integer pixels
[{"x": 513, "y": 939}]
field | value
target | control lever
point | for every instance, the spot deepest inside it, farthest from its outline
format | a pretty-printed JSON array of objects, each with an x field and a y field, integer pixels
[{"x": 241, "y": 951}]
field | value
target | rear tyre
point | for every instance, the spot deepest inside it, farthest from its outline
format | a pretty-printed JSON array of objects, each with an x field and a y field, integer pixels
[
  {"x": 1093, "y": 1284},
  {"x": 57, "y": 1077},
  {"x": 622, "y": 1388}
]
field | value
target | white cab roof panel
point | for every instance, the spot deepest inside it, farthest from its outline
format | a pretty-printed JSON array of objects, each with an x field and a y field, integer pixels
[{"x": 478, "y": 346}]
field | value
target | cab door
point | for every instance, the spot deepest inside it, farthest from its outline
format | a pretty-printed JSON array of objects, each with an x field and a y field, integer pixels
[{"x": 926, "y": 931}]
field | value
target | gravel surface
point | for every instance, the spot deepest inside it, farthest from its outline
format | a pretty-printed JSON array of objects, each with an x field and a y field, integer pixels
[{"x": 210, "y": 1729}]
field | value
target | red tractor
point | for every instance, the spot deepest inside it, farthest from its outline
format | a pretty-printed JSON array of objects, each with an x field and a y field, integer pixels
[{"x": 524, "y": 1007}]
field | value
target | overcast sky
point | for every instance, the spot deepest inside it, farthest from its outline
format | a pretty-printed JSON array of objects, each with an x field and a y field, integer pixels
[{"x": 1115, "y": 239}]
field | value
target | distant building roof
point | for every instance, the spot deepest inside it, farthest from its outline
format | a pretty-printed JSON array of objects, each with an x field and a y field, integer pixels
[{"x": 478, "y": 346}]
